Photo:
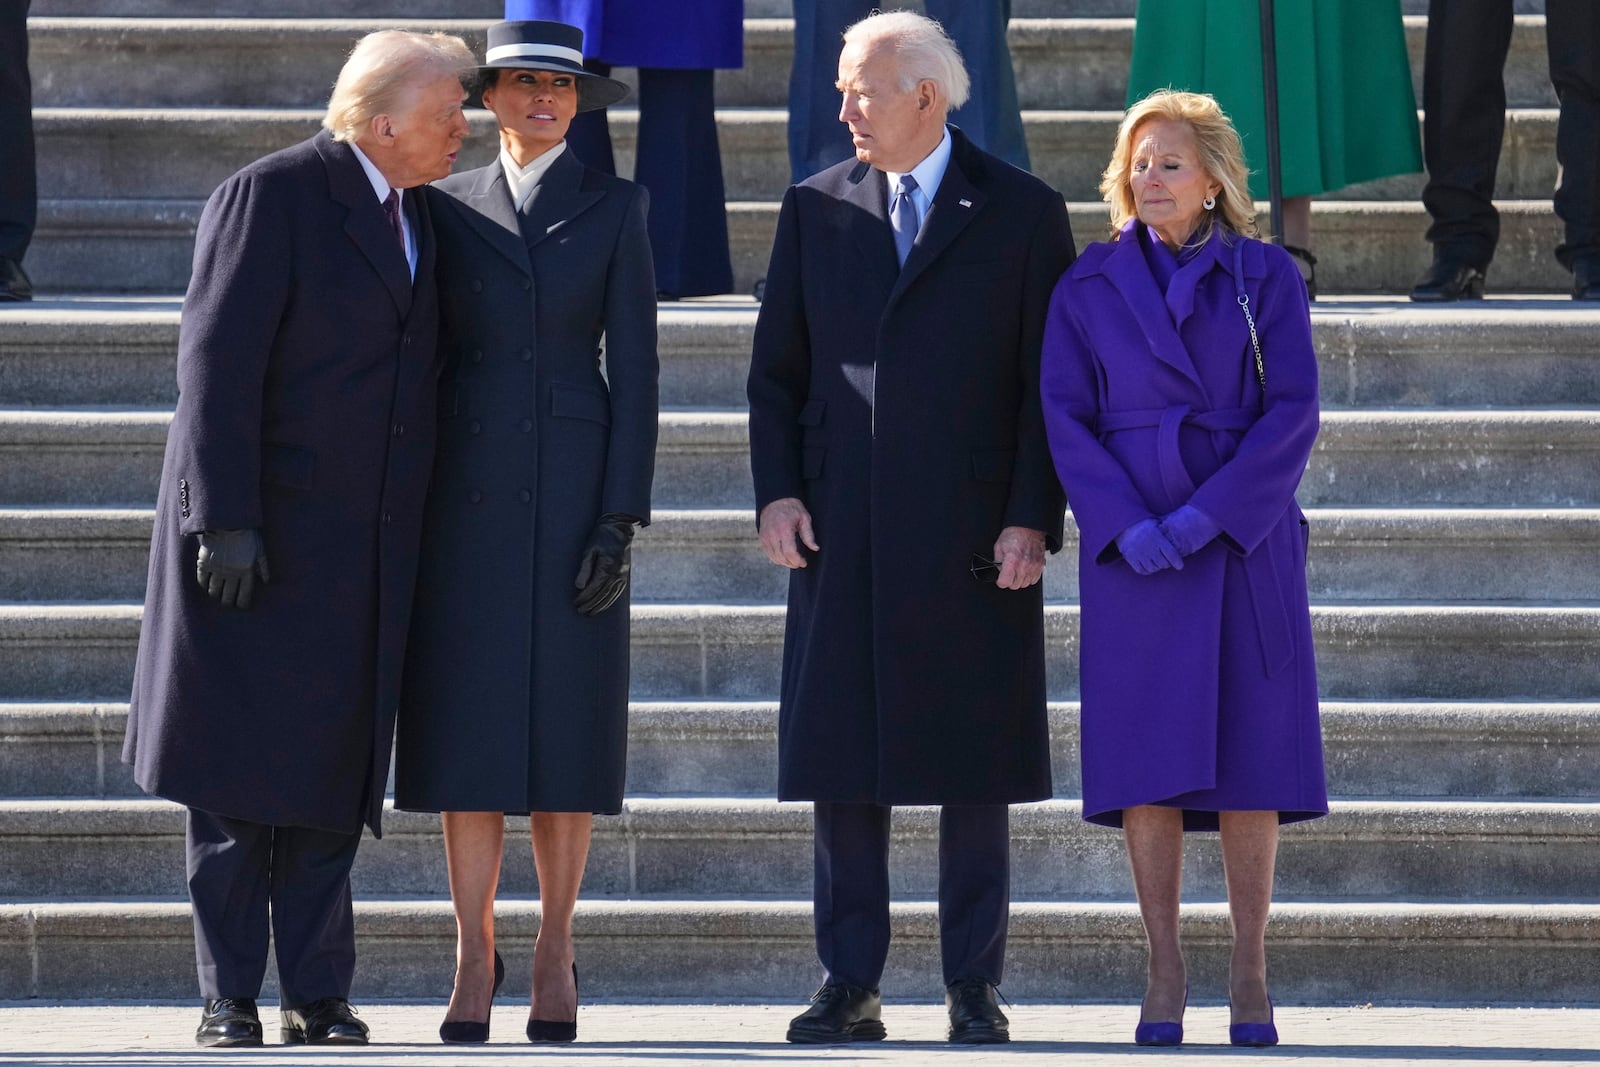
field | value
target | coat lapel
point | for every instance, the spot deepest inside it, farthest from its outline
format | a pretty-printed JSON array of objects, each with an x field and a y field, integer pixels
[
  {"x": 557, "y": 199},
  {"x": 486, "y": 206},
  {"x": 365, "y": 222},
  {"x": 1125, "y": 268},
  {"x": 955, "y": 204},
  {"x": 866, "y": 203}
]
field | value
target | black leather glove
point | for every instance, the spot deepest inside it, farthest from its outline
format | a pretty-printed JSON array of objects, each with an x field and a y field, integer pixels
[
  {"x": 603, "y": 572},
  {"x": 228, "y": 564}
]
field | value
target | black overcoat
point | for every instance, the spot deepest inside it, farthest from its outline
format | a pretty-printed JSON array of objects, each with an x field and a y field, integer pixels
[
  {"x": 512, "y": 700},
  {"x": 306, "y": 383},
  {"x": 902, "y": 407}
]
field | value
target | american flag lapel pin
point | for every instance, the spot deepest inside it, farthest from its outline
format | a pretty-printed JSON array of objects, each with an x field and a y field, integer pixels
[{"x": 966, "y": 203}]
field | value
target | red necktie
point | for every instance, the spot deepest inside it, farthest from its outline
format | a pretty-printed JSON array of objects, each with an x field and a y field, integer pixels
[{"x": 391, "y": 207}]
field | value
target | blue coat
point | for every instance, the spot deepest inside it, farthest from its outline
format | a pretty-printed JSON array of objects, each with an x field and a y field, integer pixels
[
  {"x": 306, "y": 408},
  {"x": 678, "y": 35},
  {"x": 901, "y": 406},
  {"x": 1199, "y": 686}
]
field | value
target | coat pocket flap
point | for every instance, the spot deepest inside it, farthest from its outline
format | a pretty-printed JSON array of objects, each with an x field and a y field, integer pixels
[
  {"x": 811, "y": 414},
  {"x": 288, "y": 465},
  {"x": 994, "y": 465},
  {"x": 575, "y": 402}
]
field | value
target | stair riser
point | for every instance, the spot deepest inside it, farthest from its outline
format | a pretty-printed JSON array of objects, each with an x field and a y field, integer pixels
[
  {"x": 174, "y": 154},
  {"x": 1056, "y": 64},
  {"x": 139, "y": 247},
  {"x": 1099, "y": 957},
  {"x": 1056, "y": 857},
  {"x": 1361, "y": 655},
  {"x": 672, "y": 563},
  {"x": 1446, "y": 753}
]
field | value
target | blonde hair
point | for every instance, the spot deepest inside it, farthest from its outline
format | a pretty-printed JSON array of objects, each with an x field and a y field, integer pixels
[
  {"x": 382, "y": 68},
  {"x": 1221, "y": 157},
  {"x": 924, "y": 50}
]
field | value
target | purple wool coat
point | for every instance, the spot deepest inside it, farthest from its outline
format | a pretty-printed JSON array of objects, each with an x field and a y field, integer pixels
[{"x": 1199, "y": 686}]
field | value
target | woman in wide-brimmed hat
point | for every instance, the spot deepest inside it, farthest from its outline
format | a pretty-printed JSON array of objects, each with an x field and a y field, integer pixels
[{"x": 516, "y": 683}]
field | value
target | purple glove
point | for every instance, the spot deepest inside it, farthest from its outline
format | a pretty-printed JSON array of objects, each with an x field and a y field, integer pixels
[
  {"x": 1189, "y": 529},
  {"x": 1147, "y": 549}
]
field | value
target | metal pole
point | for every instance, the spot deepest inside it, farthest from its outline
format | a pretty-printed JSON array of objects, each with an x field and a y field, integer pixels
[{"x": 1269, "y": 78}]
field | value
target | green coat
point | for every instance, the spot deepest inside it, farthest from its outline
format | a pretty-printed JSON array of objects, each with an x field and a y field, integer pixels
[{"x": 1346, "y": 108}]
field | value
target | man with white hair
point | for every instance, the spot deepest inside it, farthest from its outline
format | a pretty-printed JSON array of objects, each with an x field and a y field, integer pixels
[
  {"x": 902, "y": 473},
  {"x": 304, "y": 433}
]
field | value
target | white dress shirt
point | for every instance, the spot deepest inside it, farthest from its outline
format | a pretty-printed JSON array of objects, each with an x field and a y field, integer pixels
[
  {"x": 381, "y": 186},
  {"x": 523, "y": 180},
  {"x": 929, "y": 173}
]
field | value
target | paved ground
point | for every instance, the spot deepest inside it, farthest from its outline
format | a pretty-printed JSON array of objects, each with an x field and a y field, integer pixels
[{"x": 658, "y": 1035}]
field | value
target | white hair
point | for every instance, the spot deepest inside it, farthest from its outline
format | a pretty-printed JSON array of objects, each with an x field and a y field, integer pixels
[
  {"x": 382, "y": 68},
  {"x": 924, "y": 50}
]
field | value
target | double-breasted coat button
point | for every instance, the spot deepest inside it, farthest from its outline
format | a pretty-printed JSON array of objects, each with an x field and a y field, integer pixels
[
  {"x": 474, "y": 496},
  {"x": 476, "y": 426},
  {"x": 526, "y": 424},
  {"x": 477, "y": 355},
  {"x": 387, "y": 518},
  {"x": 399, "y": 429},
  {"x": 526, "y": 355},
  {"x": 477, "y": 285},
  {"x": 526, "y": 496},
  {"x": 526, "y": 285}
]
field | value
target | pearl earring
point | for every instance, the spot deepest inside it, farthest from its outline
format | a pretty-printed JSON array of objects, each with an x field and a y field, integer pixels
[{"x": 1209, "y": 202}]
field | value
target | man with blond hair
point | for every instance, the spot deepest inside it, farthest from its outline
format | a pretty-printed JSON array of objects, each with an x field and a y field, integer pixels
[
  {"x": 902, "y": 473},
  {"x": 303, "y": 434}
]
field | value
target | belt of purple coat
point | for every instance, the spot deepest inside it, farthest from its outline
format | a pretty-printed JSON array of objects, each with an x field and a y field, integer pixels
[{"x": 1261, "y": 573}]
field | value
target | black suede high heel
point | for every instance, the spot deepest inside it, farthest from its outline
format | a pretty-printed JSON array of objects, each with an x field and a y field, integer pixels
[
  {"x": 471, "y": 1033},
  {"x": 1310, "y": 273},
  {"x": 545, "y": 1032}
]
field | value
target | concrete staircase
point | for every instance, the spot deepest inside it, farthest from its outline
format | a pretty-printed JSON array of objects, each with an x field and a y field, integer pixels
[{"x": 1454, "y": 499}]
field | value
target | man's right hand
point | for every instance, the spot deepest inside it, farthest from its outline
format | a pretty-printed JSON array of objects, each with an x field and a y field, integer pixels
[
  {"x": 228, "y": 564},
  {"x": 785, "y": 525}
]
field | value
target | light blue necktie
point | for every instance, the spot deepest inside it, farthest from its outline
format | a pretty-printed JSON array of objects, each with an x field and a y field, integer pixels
[{"x": 903, "y": 217}]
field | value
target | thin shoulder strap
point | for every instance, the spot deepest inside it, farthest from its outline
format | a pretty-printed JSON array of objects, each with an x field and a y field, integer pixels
[{"x": 1244, "y": 305}]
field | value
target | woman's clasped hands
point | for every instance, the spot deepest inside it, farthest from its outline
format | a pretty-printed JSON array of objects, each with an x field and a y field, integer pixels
[{"x": 1152, "y": 545}]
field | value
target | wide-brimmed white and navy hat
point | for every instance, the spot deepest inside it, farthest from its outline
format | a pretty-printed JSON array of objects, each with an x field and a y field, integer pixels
[{"x": 535, "y": 44}]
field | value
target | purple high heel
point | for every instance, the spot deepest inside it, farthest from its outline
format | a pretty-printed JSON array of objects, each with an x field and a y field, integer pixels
[
  {"x": 1254, "y": 1035},
  {"x": 1162, "y": 1033}
]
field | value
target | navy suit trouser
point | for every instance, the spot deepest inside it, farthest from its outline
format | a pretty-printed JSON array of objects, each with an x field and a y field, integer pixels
[
  {"x": 990, "y": 118},
  {"x": 1464, "y": 107},
  {"x": 19, "y": 193},
  {"x": 246, "y": 878},
  {"x": 679, "y": 161},
  {"x": 851, "y": 890}
]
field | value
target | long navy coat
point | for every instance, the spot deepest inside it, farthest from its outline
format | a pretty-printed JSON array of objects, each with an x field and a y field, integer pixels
[
  {"x": 902, "y": 407},
  {"x": 1199, "y": 686},
  {"x": 678, "y": 35},
  {"x": 305, "y": 407},
  {"x": 513, "y": 701}
]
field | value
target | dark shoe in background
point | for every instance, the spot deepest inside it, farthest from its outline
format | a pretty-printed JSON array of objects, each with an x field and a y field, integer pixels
[
  {"x": 14, "y": 283},
  {"x": 229, "y": 1022},
  {"x": 839, "y": 1013},
  {"x": 1586, "y": 279},
  {"x": 975, "y": 1015},
  {"x": 1308, "y": 267},
  {"x": 1447, "y": 280},
  {"x": 330, "y": 1021}
]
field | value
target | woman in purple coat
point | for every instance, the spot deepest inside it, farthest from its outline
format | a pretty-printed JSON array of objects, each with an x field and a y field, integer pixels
[{"x": 1180, "y": 444}]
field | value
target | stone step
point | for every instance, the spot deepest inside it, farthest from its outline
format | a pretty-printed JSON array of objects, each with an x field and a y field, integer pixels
[
  {"x": 1375, "y": 352},
  {"x": 173, "y": 152},
  {"x": 56, "y": 652},
  {"x": 726, "y": 749},
  {"x": 1414, "y": 850},
  {"x": 1060, "y": 62},
  {"x": 1520, "y": 953},
  {"x": 1395, "y": 458},
  {"x": 145, "y": 246},
  {"x": 692, "y": 556}
]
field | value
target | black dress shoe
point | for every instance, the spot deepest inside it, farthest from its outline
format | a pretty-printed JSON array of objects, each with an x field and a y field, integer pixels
[
  {"x": 329, "y": 1021},
  {"x": 1586, "y": 279},
  {"x": 975, "y": 1017},
  {"x": 229, "y": 1022},
  {"x": 1449, "y": 279},
  {"x": 14, "y": 283},
  {"x": 839, "y": 1013}
]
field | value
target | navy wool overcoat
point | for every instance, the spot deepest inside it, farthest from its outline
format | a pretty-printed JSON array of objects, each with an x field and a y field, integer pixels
[
  {"x": 306, "y": 385},
  {"x": 513, "y": 701},
  {"x": 902, "y": 407}
]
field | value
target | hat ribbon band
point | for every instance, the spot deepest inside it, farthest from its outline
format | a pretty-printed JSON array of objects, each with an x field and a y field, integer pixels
[{"x": 534, "y": 51}]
